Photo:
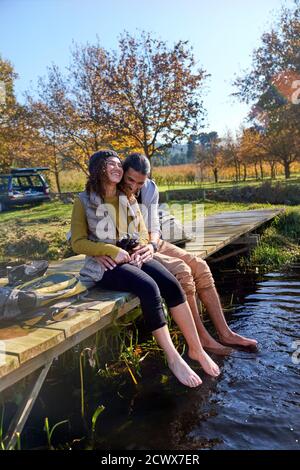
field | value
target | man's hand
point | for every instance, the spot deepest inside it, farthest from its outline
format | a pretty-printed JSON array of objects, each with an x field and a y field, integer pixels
[
  {"x": 136, "y": 260},
  {"x": 122, "y": 257},
  {"x": 106, "y": 262},
  {"x": 145, "y": 251}
]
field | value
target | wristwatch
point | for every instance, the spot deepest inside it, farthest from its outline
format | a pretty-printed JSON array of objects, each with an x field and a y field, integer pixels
[{"x": 154, "y": 246}]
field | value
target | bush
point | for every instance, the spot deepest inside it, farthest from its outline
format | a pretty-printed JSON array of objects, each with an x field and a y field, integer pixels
[
  {"x": 279, "y": 244},
  {"x": 266, "y": 192}
]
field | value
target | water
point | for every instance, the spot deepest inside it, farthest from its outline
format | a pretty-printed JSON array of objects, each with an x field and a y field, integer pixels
[{"x": 254, "y": 404}]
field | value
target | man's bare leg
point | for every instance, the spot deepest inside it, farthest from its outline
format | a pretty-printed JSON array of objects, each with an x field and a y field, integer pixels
[
  {"x": 207, "y": 341},
  {"x": 210, "y": 299}
]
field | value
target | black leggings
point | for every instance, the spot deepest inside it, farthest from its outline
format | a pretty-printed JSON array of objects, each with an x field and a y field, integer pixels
[{"x": 150, "y": 282}]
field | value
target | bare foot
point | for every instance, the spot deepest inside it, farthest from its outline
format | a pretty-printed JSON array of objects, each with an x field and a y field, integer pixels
[
  {"x": 206, "y": 362},
  {"x": 212, "y": 346},
  {"x": 184, "y": 373},
  {"x": 233, "y": 339}
]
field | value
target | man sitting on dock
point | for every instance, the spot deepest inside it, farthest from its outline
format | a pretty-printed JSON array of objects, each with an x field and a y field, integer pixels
[{"x": 192, "y": 272}]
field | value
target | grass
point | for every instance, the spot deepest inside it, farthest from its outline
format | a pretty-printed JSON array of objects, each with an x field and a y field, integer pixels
[
  {"x": 3, "y": 444},
  {"x": 49, "y": 431},
  {"x": 35, "y": 232},
  {"x": 213, "y": 207},
  {"x": 46, "y": 212},
  {"x": 279, "y": 244}
]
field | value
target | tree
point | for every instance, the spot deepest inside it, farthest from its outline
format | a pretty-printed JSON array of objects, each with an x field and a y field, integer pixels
[
  {"x": 209, "y": 152},
  {"x": 48, "y": 142},
  {"x": 252, "y": 150},
  {"x": 145, "y": 97},
  {"x": 274, "y": 61},
  {"x": 282, "y": 138},
  {"x": 69, "y": 110},
  {"x": 155, "y": 92},
  {"x": 13, "y": 130},
  {"x": 231, "y": 155},
  {"x": 273, "y": 84},
  {"x": 191, "y": 149}
]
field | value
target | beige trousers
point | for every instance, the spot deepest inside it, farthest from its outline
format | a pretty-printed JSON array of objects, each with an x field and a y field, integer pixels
[{"x": 192, "y": 272}]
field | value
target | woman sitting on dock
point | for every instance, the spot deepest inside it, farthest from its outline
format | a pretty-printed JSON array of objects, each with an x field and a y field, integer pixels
[{"x": 101, "y": 216}]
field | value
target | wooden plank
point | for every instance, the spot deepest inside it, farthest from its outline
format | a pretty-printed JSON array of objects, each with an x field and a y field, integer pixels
[
  {"x": 38, "y": 361},
  {"x": 8, "y": 362},
  {"x": 244, "y": 229},
  {"x": 230, "y": 225},
  {"x": 212, "y": 250},
  {"x": 223, "y": 229},
  {"x": 207, "y": 244},
  {"x": 242, "y": 219},
  {"x": 86, "y": 318},
  {"x": 3, "y": 281},
  {"x": 45, "y": 336},
  {"x": 33, "y": 344},
  {"x": 248, "y": 213},
  {"x": 197, "y": 251},
  {"x": 211, "y": 234},
  {"x": 230, "y": 231},
  {"x": 208, "y": 241}
]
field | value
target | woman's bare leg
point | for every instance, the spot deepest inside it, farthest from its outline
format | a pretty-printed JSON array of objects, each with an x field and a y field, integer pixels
[
  {"x": 184, "y": 319},
  {"x": 178, "y": 366}
]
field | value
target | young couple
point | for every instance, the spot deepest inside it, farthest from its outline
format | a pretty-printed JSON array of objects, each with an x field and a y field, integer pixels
[{"x": 107, "y": 211}]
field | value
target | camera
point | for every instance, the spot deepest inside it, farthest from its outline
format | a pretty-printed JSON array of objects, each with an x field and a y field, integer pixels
[{"x": 128, "y": 242}]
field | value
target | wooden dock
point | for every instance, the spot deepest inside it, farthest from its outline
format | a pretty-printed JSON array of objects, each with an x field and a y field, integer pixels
[{"x": 31, "y": 344}]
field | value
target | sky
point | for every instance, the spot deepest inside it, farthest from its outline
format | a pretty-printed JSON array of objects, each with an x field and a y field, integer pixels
[{"x": 36, "y": 33}]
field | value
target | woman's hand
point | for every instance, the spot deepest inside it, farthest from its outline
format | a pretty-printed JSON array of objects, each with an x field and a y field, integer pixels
[
  {"x": 122, "y": 257},
  {"x": 106, "y": 262}
]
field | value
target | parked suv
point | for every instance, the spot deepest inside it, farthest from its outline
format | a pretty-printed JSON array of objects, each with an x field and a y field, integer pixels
[{"x": 23, "y": 186}]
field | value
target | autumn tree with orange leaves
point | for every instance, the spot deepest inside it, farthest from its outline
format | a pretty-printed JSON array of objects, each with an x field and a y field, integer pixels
[
  {"x": 154, "y": 92},
  {"x": 273, "y": 85},
  {"x": 252, "y": 151},
  {"x": 209, "y": 153},
  {"x": 14, "y": 132}
]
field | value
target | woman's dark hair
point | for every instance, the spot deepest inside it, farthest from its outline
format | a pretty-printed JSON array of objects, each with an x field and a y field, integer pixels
[
  {"x": 97, "y": 171},
  {"x": 138, "y": 162}
]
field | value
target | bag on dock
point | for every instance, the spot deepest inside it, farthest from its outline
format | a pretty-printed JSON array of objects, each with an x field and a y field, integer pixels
[
  {"x": 26, "y": 272},
  {"x": 38, "y": 293}
]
